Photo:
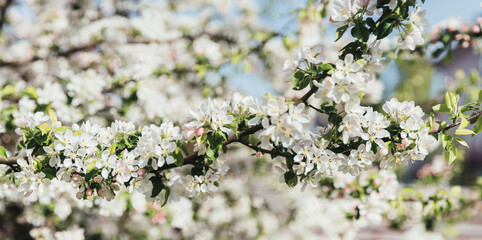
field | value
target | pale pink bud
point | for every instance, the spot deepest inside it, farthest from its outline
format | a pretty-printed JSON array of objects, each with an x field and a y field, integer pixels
[
  {"x": 76, "y": 177},
  {"x": 98, "y": 179},
  {"x": 400, "y": 146},
  {"x": 259, "y": 154},
  {"x": 405, "y": 142},
  {"x": 101, "y": 192},
  {"x": 141, "y": 172},
  {"x": 383, "y": 151},
  {"x": 200, "y": 131},
  {"x": 89, "y": 192},
  {"x": 331, "y": 20},
  {"x": 465, "y": 44}
]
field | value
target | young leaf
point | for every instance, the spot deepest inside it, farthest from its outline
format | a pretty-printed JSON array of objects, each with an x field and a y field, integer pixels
[
  {"x": 340, "y": 31},
  {"x": 462, "y": 142},
  {"x": 3, "y": 152},
  {"x": 291, "y": 179},
  {"x": 464, "y": 132},
  {"x": 441, "y": 108},
  {"x": 463, "y": 122},
  {"x": 451, "y": 154}
]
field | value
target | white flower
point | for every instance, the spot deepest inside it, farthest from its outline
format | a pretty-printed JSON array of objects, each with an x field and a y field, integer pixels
[
  {"x": 303, "y": 151},
  {"x": 350, "y": 127},
  {"x": 313, "y": 55},
  {"x": 105, "y": 163},
  {"x": 162, "y": 151},
  {"x": 348, "y": 66}
]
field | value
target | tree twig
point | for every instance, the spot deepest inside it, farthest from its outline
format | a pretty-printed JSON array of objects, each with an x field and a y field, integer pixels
[
  {"x": 258, "y": 149},
  {"x": 190, "y": 160},
  {"x": 10, "y": 160},
  {"x": 455, "y": 124}
]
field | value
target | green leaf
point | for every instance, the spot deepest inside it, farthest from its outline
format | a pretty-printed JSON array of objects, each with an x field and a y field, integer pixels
[
  {"x": 166, "y": 196},
  {"x": 360, "y": 32},
  {"x": 52, "y": 116},
  {"x": 479, "y": 100},
  {"x": 50, "y": 173},
  {"x": 7, "y": 91},
  {"x": 464, "y": 132},
  {"x": 291, "y": 179},
  {"x": 157, "y": 186},
  {"x": 210, "y": 153},
  {"x": 385, "y": 26},
  {"x": 112, "y": 148},
  {"x": 178, "y": 158},
  {"x": 3, "y": 152},
  {"x": 340, "y": 31},
  {"x": 463, "y": 122},
  {"x": 446, "y": 141},
  {"x": 300, "y": 81},
  {"x": 325, "y": 67},
  {"x": 478, "y": 126},
  {"x": 462, "y": 142},
  {"x": 39, "y": 137},
  {"x": 45, "y": 128},
  {"x": 441, "y": 108},
  {"x": 91, "y": 171},
  {"x": 451, "y": 100},
  {"x": 61, "y": 129},
  {"x": 451, "y": 154}
]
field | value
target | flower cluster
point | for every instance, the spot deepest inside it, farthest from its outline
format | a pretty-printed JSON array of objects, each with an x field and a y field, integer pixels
[
  {"x": 94, "y": 157},
  {"x": 367, "y": 16}
]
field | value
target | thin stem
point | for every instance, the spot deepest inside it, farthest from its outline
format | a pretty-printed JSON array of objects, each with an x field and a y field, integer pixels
[
  {"x": 313, "y": 107},
  {"x": 455, "y": 124},
  {"x": 258, "y": 149}
]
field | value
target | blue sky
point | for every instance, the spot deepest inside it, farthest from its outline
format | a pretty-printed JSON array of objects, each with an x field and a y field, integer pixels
[{"x": 438, "y": 10}]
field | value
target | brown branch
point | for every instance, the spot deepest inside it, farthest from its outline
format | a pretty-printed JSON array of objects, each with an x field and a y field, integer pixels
[
  {"x": 455, "y": 124},
  {"x": 191, "y": 160},
  {"x": 10, "y": 160},
  {"x": 4, "y": 12}
]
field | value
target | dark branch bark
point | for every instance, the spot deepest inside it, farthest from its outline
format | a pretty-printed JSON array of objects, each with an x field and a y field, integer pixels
[
  {"x": 10, "y": 160},
  {"x": 455, "y": 124},
  {"x": 3, "y": 18}
]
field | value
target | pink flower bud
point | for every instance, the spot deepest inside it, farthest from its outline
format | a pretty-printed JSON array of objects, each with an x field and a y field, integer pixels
[
  {"x": 383, "y": 151},
  {"x": 405, "y": 142},
  {"x": 400, "y": 146},
  {"x": 101, "y": 192},
  {"x": 89, "y": 192},
  {"x": 141, "y": 172},
  {"x": 200, "y": 131},
  {"x": 259, "y": 154},
  {"x": 331, "y": 20},
  {"x": 76, "y": 177}
]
